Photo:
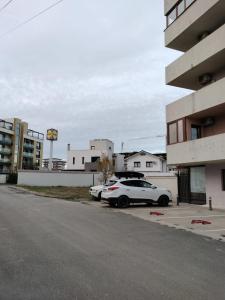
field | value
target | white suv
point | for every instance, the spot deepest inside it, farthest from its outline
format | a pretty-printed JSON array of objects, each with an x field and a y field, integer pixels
[{"x": 126, "y": 191}]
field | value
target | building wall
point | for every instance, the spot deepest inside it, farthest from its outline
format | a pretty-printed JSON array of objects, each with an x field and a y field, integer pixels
[
  {"x": 70, "y": 179},
  {"x": 78, "y": 154},
  {"x": 214, "y": 186},
  {"x": 103, "y": 145},
  {"x": 157, "y": 165},
  {"x": 166, "y": 181}
]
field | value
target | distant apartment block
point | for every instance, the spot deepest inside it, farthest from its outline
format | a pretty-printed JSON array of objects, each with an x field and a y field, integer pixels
[
  {"x": 57, "y": 164},
  {"x": 20, "y": 147},
  {"x": 196, "y": 123},
  {"x": 87, "y": 160}
]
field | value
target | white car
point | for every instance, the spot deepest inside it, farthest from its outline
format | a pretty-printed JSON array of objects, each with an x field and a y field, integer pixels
[
  {"x": 126, "y": 191},
  {"x": 96, "y": 191}
]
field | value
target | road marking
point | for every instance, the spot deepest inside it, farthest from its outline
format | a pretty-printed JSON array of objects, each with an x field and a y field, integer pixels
[{"x": 211, "y": 216}]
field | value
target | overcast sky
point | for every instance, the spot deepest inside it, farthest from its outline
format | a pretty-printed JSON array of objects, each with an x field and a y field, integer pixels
[{"x": 89, "y": 68}]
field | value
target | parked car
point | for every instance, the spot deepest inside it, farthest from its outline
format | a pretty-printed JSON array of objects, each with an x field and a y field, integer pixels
[
  {"x": 96, "y": 191},
  {"x": 126, "y": 191}
]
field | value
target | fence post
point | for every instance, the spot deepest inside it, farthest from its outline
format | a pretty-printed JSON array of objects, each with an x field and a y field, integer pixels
[{"x": 210, "y": 203}]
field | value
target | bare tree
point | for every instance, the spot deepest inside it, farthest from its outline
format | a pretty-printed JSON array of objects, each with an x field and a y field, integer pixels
[{"x": 105, "y": 166}]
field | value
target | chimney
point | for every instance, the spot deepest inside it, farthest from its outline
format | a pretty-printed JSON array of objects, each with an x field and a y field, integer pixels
[{"x": 68, "y": 147}]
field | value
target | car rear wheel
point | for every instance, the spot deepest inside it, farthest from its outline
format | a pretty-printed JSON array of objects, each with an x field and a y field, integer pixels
[
  {"x": 123, "y": 202},
  {"x": 163, "y": 200}
]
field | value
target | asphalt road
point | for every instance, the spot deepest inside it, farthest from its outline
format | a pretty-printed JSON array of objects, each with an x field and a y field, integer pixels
[{"x": 54, "y": 249}]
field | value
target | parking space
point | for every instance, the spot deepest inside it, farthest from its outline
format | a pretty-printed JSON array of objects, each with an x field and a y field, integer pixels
[{"x": 185, "y": 216}]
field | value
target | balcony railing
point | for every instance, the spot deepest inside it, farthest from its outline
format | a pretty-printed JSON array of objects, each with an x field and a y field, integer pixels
[
  {"x": 35, "y": 134},
  {"x": 28, "y": 154},
  {"x": 5, "y": 151},
  {"x": 6, "y": 125},
  {"x": 5, "y": 141},
  {"x": 178, "y": 10},
  {"x": 28, "y": 146},
  {"x": 5, "y": 161}
]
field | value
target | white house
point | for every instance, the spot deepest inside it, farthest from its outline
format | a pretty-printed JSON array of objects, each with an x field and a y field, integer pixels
[
  {"x": 146, "y": 163},
  {"x": 82, "y": 160}
]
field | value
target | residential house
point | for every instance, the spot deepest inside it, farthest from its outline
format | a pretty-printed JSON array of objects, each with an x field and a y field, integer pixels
[{"x": 87, "y": 160}]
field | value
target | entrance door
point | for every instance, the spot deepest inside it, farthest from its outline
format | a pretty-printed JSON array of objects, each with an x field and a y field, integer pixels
[
  {"x": 198, "y": 185},
  {"x": 184, "y": 185}
]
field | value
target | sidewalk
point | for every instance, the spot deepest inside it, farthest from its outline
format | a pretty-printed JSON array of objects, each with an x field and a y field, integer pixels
[{"x": 181, "y": 217}]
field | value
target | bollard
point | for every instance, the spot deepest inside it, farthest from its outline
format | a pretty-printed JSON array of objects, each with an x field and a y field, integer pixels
[{"x": 210, "y": 203}]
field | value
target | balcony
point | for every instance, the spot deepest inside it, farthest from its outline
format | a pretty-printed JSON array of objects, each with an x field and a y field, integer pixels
[
  {"x": 28, "y": 154},
  {"x": 5, "y": 151},
  {"x": 35, "y": 134},
  {"x": 6, "y": 141},
  {"x": 206, "y": 58},
  {"x": 201, "y": 17},
  {"x": 28, "y": 146},
  {"x": 198, "y": 152},
  {"x": 6, "y": 125},
  {"x": 206, "y": 98},
  {"x": 5, "y": 161}
]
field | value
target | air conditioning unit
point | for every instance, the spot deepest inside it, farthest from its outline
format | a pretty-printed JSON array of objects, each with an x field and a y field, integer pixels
[
  {"x": 205, "y": 79},
  {"x": 208, "y": 122}
]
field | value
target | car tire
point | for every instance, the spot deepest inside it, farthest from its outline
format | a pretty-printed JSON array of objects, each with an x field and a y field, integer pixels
[
  {"x": 163, "y": 201},
  {"x": 99, "y": 196},
  {"x": 123, "y": 202},
  {"x": 113, "y": 203}
]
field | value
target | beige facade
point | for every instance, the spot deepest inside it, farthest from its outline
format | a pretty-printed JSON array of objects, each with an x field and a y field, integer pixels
[
  {"x": 196, "y": 123},
  {"x": 20, "y": 147}
]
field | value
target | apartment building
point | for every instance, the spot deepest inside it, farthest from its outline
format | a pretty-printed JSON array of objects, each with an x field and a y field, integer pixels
[
  {"x": 57, "y": 164},
  {"x": 87, "y": 160},
  {"x": 196, "y": 123},
  {"x": 20, "y": 147}
]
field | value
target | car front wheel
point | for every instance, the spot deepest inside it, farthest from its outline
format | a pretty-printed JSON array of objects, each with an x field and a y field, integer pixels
[
  {"x": 163, "y": 200},
  {"x": 123, "y": 202}
]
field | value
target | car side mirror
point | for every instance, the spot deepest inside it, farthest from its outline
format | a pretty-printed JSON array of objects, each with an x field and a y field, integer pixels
[{"x": 154, "y": 187}]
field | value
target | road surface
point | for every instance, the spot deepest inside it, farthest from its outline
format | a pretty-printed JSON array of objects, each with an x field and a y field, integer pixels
[{"x": 54, "y": 249}]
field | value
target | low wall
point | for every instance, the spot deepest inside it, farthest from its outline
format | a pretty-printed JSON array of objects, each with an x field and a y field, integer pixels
[
  {"x": 3, "y": 178},
  {"x": 73, "y": 179},
  {"x": 167, "y": 182},
  {"x": 214, "y": 185}
]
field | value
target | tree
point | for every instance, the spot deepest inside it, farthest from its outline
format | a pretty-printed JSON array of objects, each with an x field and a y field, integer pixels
[{"x": 105, "y": 165}]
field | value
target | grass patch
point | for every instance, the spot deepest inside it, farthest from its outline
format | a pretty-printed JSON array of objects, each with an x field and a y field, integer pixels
[{"x": 66, "y": 193}]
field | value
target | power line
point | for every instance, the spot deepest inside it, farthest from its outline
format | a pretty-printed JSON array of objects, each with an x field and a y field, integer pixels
[
  {"x": 5, "y": 5},
  {"x": 31, "y": 18}
]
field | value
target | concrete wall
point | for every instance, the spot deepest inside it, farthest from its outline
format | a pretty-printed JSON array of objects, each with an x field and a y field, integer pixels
[
  {"x": 73, "y": 179},
  {"x": 214, "y": 185},
  {"x": 3, "y": 179},
  {"x": 168, "y": 182}
]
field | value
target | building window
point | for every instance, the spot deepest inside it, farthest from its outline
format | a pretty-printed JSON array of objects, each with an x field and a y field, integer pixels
[
  {"x": 92, "y": 147},
  {"x": 195, "y": 132},
  {"x": 178, "y": 10},
  {"x": 82, "y": 160},
  {"x": 176, "y": 132},
  {"x": 74, "y": 160},
  {"x": 149, "y": 164},
  {"x": 137, "y": 164},
  {"x": 223, "y": 180}
]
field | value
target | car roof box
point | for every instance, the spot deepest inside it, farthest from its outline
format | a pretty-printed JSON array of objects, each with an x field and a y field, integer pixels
[{"x": 129, "y": 174}]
